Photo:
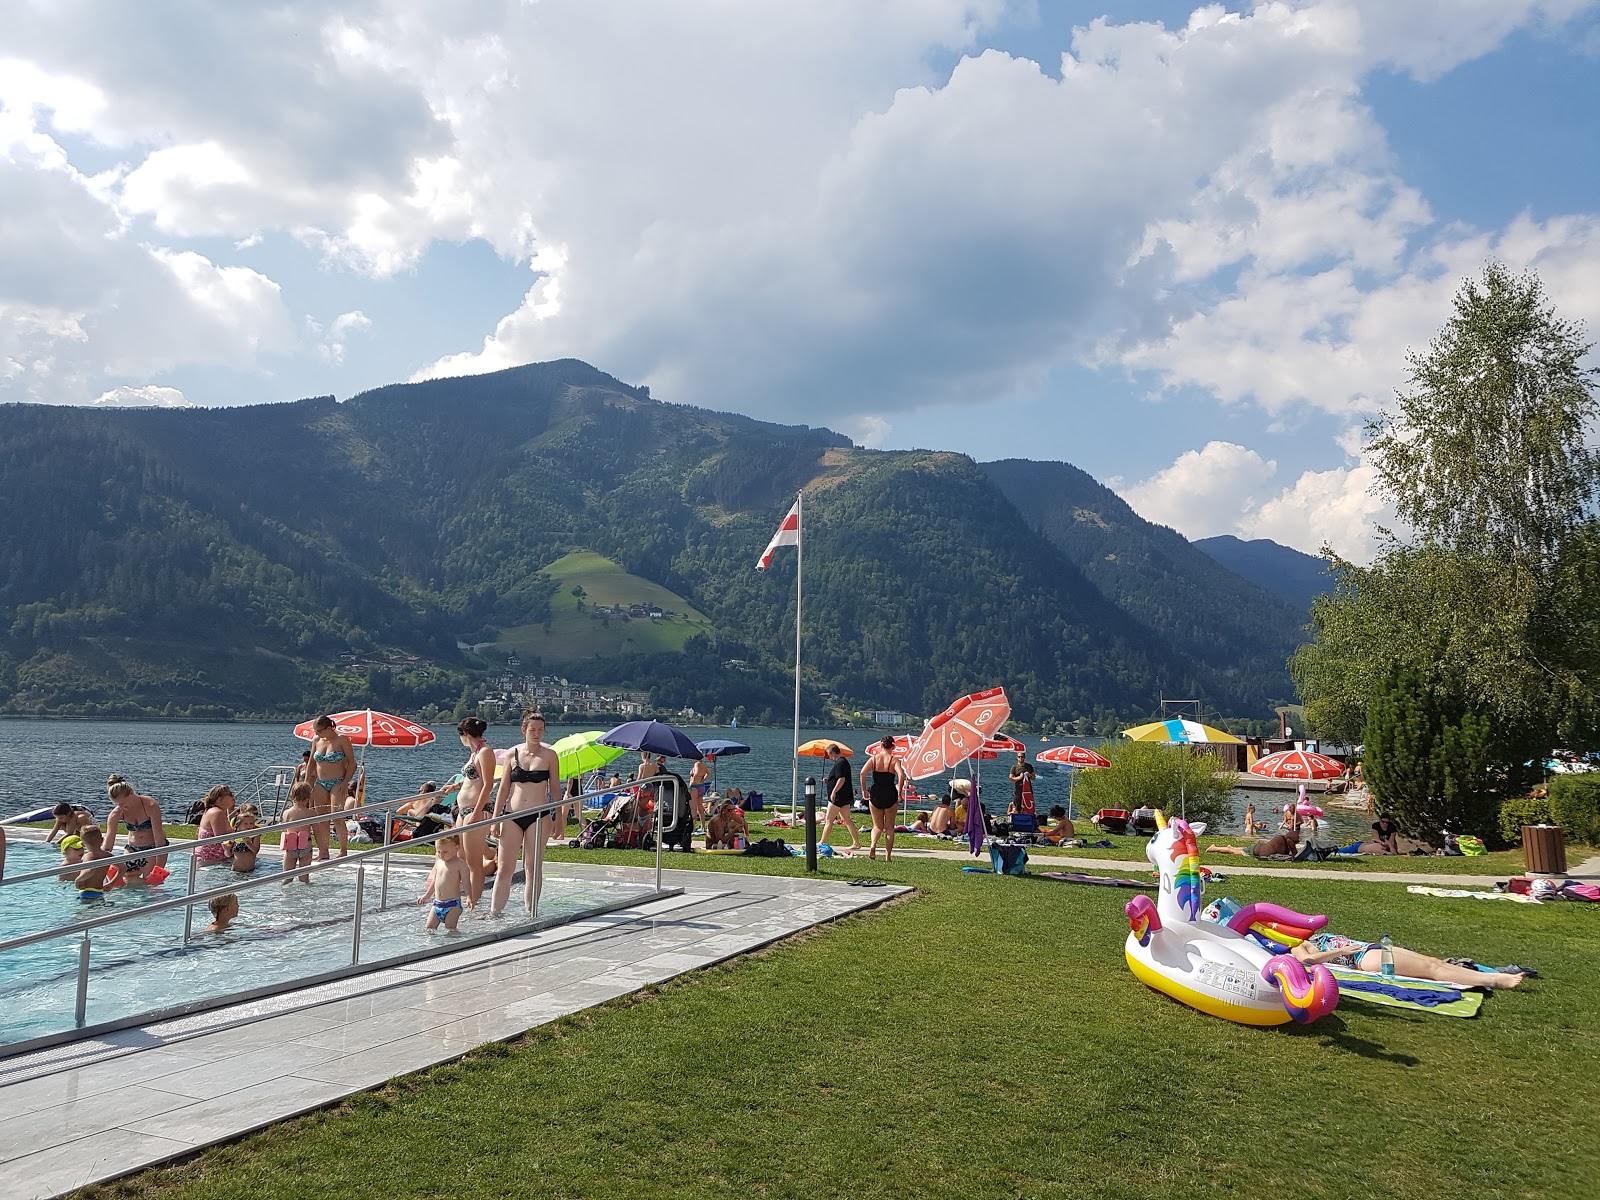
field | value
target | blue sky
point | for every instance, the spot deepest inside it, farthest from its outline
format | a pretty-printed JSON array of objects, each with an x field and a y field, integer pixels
[{"x": 1191, "y": 264}]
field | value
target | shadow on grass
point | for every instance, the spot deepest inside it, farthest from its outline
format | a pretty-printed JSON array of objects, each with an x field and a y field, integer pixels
[{"x": 1332, "y": 1032}]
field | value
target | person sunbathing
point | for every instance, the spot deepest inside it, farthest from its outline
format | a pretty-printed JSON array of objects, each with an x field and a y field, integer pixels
[
  {"x": 1278, "y": 843},
  {"x": 1336, "y": 950},
  {"x": 939, "y": 822},
  {"x": 726, "y": 824}
]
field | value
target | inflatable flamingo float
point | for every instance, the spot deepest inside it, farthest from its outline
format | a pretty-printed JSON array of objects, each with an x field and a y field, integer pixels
[{"x": 1221, "y": 969}]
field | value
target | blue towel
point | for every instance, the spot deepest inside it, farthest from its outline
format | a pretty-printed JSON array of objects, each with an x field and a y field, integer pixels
[{"x": 1416, "y": 993}]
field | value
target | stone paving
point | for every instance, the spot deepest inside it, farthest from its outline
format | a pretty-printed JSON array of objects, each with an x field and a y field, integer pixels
[{"x": 106, "y": 1106}]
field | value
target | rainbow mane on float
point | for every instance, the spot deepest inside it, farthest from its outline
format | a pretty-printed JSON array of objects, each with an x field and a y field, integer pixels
[{"x": 1187, "y": 886}]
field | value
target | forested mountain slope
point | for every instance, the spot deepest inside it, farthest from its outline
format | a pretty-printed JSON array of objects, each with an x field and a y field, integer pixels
[
  {"x": 1293, "y": 576},
  {"x": 212, "y": 561}
]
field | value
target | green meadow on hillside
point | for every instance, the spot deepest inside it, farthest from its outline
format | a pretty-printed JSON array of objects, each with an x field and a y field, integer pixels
[{"x": 574, "y": 632}]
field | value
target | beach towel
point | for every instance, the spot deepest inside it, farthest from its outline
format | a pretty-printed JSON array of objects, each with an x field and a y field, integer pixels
[
  {"x": 1468, "y": 894},
  {"x": 1401, "y": 991}
]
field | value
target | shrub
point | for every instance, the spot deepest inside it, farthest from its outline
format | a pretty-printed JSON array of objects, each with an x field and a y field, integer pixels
[
  {"x": 1175, "y": 779},
  {"x": 1517, "y": 811},
  {"x": 1575, "y": 806}
]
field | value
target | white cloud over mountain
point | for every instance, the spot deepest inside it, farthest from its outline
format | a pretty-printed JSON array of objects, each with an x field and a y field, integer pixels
[{"x": 778, "y": 208}]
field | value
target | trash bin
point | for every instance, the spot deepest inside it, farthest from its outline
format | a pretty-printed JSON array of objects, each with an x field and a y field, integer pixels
[{"x": 1544, "y": 850}]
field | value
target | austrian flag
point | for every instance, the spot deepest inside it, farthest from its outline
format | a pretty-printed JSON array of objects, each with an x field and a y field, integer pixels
[{"x": 788, "y": 535}]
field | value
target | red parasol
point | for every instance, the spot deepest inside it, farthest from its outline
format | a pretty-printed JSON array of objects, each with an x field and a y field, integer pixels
[
  {"x": 958, "y": 733},
  {"x": 1073, "y": 756},
  {"x": 364, "y": 727},
  {"x": 1298, "y": 764}
]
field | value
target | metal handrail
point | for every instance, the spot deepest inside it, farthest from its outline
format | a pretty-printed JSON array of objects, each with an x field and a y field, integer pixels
[{"x": 256, "y": 880}]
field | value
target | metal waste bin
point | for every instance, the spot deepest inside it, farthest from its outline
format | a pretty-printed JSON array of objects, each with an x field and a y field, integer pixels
[{"x": 1544, "y": 850}]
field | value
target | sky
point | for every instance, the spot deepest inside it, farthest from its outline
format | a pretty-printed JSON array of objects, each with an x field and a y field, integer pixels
[{"x": 1184, "y": 247}]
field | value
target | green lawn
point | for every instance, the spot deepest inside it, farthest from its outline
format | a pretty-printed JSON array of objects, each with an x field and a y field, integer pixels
[
  {"x": 575, "y": 633},
  {"x": 983, "y": 1038}
]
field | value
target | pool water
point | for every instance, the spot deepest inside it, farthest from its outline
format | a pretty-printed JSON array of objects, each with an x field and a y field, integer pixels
[{"x": 283, "y": 933}]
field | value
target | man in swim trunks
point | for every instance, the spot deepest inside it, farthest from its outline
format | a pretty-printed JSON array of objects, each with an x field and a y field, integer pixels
[
  {"x": 1277, "y": 844},
  {"x": 699, "y": 785}
]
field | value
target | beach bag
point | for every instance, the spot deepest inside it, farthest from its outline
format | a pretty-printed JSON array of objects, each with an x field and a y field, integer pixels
[
  {"x": 1008, "y": 860},
  {"x": 768, "y": 848},
  {"x": 1470, "y": 845}
]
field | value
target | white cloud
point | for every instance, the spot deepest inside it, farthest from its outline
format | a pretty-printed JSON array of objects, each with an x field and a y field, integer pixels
[
  {"x": 1204, "y": 492},
  {"x": 1226, "y": 488},
  {"x": 331, "y": 343},
  {"x": 148, "y": 396}
]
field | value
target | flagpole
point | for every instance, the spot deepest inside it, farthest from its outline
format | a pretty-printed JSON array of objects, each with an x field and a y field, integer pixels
[{"x": 799, "y": 559}]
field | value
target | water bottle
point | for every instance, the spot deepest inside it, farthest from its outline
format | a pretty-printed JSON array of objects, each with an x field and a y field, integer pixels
[{"x": 1387, "y": 958}]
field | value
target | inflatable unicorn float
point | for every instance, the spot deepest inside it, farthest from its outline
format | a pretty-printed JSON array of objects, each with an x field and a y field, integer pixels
[{"x": 1238, "y": 970}]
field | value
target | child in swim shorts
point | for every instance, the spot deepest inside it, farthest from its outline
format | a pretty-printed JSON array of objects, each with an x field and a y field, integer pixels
[{"x": 447, "y": 884}]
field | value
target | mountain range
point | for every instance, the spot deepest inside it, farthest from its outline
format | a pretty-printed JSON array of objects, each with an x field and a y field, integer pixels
[
  {"x": 307, "y": 555},
  {"x": 1289, "y": 574}
]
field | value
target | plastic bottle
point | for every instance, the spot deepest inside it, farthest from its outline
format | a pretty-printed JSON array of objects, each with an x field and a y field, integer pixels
[{"x": 1387, "y": 953}]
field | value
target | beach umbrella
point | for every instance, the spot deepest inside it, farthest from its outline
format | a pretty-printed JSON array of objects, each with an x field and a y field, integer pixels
[
  {"x": 819, "y": 748},
  {"x": 715, "y": 748},
  {"x": 1179, "y": 731},
  {"x": 958, "y": 733},
  {"x": 580, "y": 753},
  {"x": 1297, "y": 764},
  {"x": 365, "y": 727},
  {"x": 652, "y": 736},
  {"x": 1073, "y": 756}
]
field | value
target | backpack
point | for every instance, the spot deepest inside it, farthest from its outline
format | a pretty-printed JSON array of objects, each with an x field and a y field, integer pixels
[{"x": 768, "y": 848}]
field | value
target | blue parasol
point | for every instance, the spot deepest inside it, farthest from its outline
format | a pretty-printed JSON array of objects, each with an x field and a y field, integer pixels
[
  {"x": 715, "y": 748},
  {"x": 652, "y": 736}
]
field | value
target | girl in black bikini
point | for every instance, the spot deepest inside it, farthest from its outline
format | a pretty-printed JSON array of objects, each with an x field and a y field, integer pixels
[
  {"x": 145, "y": 830},
  {"x": 532, "y": 780},
  {"x": 472, "y": 802},
  {"x": 883, "y": 795}
]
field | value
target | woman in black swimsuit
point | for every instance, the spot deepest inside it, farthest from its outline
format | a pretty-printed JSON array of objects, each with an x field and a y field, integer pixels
[
  {"x": 145, "y": 830},
  {"x": 532, "y": 780},
  {"x": 472, "y": 802},
  {"x": 883, "y": 794}
]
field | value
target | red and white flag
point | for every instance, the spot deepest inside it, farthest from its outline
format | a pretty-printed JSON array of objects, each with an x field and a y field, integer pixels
[{"x": 788, "y": 535}]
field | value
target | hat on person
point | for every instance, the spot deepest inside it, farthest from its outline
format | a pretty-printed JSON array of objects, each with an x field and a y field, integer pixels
[{"x": 72, "y": 842}]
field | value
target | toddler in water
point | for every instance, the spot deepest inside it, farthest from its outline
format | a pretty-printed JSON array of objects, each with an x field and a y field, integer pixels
[
  {"x": 91, "y": 883},
  {"x": 71, "y": 856},
  {"x": 244, "y": 849},
  {"x": 447, "y": 884},
  {"x": 297, "y": 842}
]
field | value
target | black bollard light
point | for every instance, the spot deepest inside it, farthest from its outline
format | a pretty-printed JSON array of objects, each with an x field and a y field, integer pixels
[{"x": 811, "y": 824}]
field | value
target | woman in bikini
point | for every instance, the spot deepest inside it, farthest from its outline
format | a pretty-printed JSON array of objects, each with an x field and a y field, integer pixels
[
  {"x": 142, "y": 815},
  {"x": 883, "y": 794},
  {"x": 1334, "y": 949},
  {"x": 532, "y": 780},
  {"x": 214, "y": 822},
  {"x": 472, "y": 801},
  {"x": 333, "y": 762}
]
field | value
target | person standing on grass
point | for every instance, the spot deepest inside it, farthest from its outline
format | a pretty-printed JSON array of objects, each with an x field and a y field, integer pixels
[
  {"x": 1022, "y": 777},
  {"x": 841, "y": 795},
  {"x": 699, "y": 785},
  {"x": 883, "y": 795}
]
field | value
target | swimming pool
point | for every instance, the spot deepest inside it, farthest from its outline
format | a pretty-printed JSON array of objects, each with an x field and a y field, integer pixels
[{"x": 284, "y": 934}]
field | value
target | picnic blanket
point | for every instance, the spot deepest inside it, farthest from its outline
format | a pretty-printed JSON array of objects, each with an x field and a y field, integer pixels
[
  {"x": 1468, "y": 894},
  {"x": 1099, "y": 880},
  {"x": 1402, "y": 991}
]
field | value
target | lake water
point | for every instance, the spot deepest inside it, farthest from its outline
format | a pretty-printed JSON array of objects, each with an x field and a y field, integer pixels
[{"x": 46, "y": 761}]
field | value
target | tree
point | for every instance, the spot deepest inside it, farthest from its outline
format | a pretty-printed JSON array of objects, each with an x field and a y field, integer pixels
[
  {"x": 1491, "y": 599},
  {"x": 1430, "y": 758},
  {"x": 1176, "y": 779}
]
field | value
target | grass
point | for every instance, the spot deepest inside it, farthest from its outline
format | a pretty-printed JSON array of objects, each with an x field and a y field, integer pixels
[
  {"x": 575, "y": 634},
  {"x": 983, "y": 1038}
]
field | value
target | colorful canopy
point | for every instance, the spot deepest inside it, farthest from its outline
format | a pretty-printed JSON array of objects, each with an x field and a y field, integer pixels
[
  {"x": 819, "y": 748},
  {"x": 1073, "y": 756},
  {"x": 580, "y": 753},
  {"x": 364, "y": 727},
  {"x": 1180, "y": 731},
  {"x": 1298, "y": 764},
  {"x": 652, "y": 736},
  {"x": 958, "y": 733}
]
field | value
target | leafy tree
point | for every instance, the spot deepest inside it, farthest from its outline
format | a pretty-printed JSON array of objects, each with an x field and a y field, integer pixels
[
  {"x": 1176, "y": 779},
  {"x": 1429, "y": 758}
]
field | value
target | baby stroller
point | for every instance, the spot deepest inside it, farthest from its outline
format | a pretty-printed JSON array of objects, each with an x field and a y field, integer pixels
[{"x": 618, "y": 827}]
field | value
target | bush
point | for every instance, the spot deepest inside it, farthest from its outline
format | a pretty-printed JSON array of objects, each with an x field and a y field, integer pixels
[
  {"x": 1175, "y": 779},
  {"x": 1518, "y": 811},
  {"x": 1575, "y": 806}
]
